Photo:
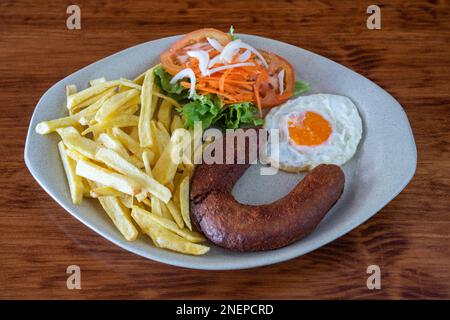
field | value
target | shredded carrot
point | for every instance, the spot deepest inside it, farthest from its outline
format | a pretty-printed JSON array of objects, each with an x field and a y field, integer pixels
[{"x": 258, "y": 98}]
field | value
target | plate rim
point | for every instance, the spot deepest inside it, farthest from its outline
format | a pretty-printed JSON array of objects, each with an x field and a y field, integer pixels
[{"x": 239, "y": 265}]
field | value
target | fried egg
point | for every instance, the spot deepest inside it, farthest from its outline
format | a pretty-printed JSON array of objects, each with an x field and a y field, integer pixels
[{"x": 314, "y": 129}]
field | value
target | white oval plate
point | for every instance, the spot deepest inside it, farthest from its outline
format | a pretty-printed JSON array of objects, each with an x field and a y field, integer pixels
[{"x": 383, "y": 165}]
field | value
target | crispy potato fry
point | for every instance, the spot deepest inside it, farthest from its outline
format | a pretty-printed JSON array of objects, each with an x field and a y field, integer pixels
[
  {"x": 177, "y": 123},
  {"x": 46, "y": 127},
  {"x": 120, "y": 217},
  {"x": 152, "y": 218},
  {"x": 115, "y": 161},
  {"x": 163, "y": 237},
  {"x": 88, "y": 94},
  {"x": 161, "y": 139},
  {"x": 107, "y": 177},
  {"x": 123, "y": 120},
  {"x": 97, "y": 81},
  {"x": 134, "y": 133},
  {"x": 114, "y": 144},
  {"x": 171, "y": 241},
  {"x": 155, "y": 206},
  {"x": 75, "y": 155},
  {"x": 76, "y": 186},
  {"x": 184, "y": 201},
  {"x": 87, "y": 114},
  {"x": 162, "y": 134},
  {"x": 167, "y": 164},
  {"x": 165, "y": 211},
  {"x": 165, "y": 113},
  {"x": 145, "y": 136},
  {"x": 147, "y": 157},
  {"x": 71, "y": 89},
  {"x": 127, "y": 201},
  {"x": 156, "y": 93},
  {"x": 84, "y": 146},
  {"x": 116, "y": 103},
  {"x": 128, "y": 84},
  {"x": 139, "y": 79},
  {"x": 175, "y": 212},
  {"x": 105, "y": 192},
  {"x": 128, "y": 142}
]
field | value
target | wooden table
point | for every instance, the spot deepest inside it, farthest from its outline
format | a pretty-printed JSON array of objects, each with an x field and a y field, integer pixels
[{"x": 408, "y": 239}]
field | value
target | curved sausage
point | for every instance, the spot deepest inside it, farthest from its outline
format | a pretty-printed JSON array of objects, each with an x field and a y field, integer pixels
[{"x": 232, "y": 225}]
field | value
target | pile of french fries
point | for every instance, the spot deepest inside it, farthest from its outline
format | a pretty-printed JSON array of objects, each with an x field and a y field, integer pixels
[{"x": 118, "y": 146}]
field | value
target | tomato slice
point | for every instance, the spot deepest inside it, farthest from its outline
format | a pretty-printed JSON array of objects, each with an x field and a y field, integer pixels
[
  {"x": 174, "y": 59},
  {"x": 269, "y": 88}
]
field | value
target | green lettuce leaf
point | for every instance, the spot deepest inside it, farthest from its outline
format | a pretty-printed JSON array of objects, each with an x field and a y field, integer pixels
[
  {"x": 236, "y": 115},
  {"x": 300, "y": 87},
  {"x": 176, "y": 90},
  {"x": 231, "y": 33},
  {"x": 204, "y": 108}
]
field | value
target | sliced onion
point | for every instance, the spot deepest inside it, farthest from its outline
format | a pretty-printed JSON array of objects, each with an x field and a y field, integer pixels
[
  {"x": 233, "y": 47},
  {"x": 213, "y": 61},
  {"x": 186, "y": 73},
  {"x": 215, "y": 44},
  {"x": 281, "y": 81},
  {"x": 231, "y": 66},
  {"x": 203, "y": 60},
  {"x": 245, "y": 56}
]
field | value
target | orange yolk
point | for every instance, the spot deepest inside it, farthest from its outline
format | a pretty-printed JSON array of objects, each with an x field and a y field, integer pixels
[{"x": 309, "y": 129}]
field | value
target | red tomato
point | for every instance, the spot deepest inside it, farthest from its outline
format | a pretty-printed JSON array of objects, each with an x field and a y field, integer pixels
[
  {"x": 175, "y": 57},
  {"x": 269, "y": 89}
]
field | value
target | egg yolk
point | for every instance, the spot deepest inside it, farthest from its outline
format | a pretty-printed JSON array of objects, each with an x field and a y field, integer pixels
[{"x": 309, "y": 129}]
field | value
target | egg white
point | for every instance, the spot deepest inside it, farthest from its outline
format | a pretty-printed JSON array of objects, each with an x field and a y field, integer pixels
[{"x": 339, "y": 111}]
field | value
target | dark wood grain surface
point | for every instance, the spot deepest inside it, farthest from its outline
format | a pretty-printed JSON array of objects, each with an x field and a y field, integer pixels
[{"x": 408, "y": 239}]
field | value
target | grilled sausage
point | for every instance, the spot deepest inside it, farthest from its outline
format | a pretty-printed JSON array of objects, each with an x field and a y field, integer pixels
[{"x": 232, "y": 225}]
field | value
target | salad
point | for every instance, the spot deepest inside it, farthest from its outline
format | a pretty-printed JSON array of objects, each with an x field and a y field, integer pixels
[{"x": 218, "y": 79}]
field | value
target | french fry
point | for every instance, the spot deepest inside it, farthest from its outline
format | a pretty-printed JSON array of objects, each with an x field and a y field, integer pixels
[
  {"x": 86, "y": 188},
  {"x": 184, "y": 201},
  {"x": 165, "y": 238},
  {"x": 84, "y": 146},
  {"x": 165, "y": 113},
  {"x": 134, "y": 133},
  {"x": 75, "y": 182},
  {"x": 88, "y": 114},
  {"x": 177, "y": 123},
  {"x": 145, "y": 136},
  {"x": 162, "y": 134},
  {"x": 75, "y": 155},
  {"x": 46, "y": 127},
  {"x": 156, "y": 93},
  {"x": 120, "y": 217},
  {"x": 115, "y": 161},
  {"x": 151, "y": 218},
  {"x": 123, "y": 120},
  {"x": 165, "y": 211},
  {"x": 89, "y": 93},
  {"x": 114, "y": 144},
  {"x": 147, "y": 157},
  {"x": 127, "y": 201},
  {"x": 107, "y": 177},
  {"x": 171, "y": 241},
  {"x": 175, "y": 212},
  {"x": 97, "y": 81},
  {"x": 105, "y": 192},
  {"x": 115, "y": 103},
  {"x": 128, "y": 84},
  {"x": 128, "y": 142},
  {"x": 70, "y": 89},
  {"x": 139, "y": 79},
  {"x": 166, "y": 166}
]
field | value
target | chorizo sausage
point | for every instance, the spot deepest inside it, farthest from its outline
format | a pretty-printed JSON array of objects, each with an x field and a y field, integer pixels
[{"x": 240, "y": 227}]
